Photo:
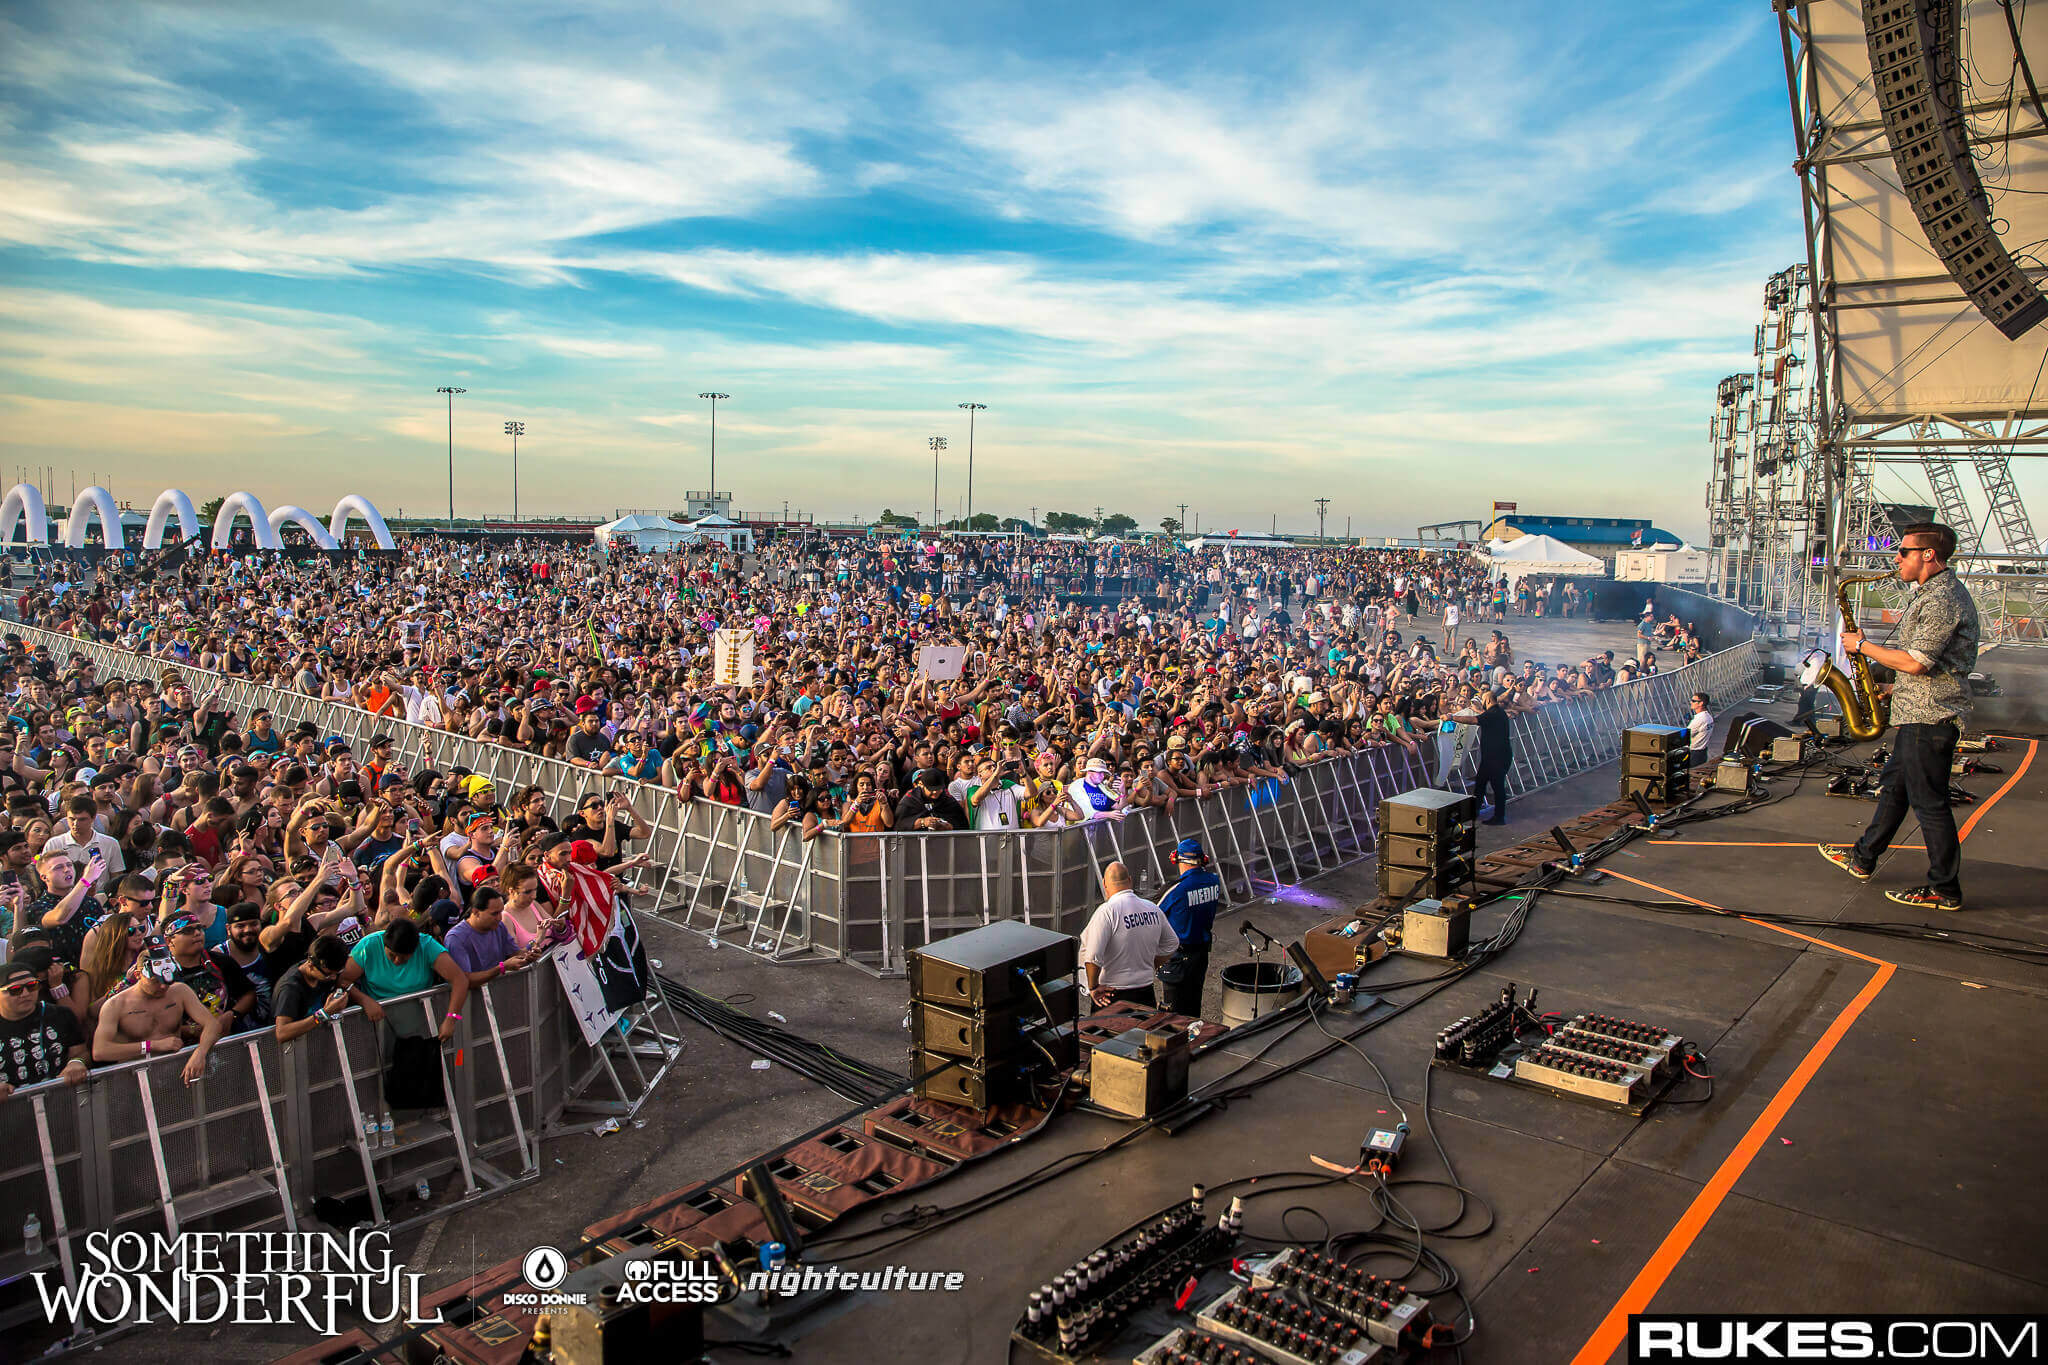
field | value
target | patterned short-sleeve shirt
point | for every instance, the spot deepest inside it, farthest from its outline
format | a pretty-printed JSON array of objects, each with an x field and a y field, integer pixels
[{"x": 1939, "y": 628}]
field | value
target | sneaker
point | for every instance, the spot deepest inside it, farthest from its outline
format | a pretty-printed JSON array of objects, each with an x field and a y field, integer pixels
[
  {"x": 1925, "y": 898},
  {"x": 1844, "y": 857}
]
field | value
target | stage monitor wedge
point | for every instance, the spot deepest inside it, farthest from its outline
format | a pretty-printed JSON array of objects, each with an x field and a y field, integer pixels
[{"x": 1913, "y": 67}]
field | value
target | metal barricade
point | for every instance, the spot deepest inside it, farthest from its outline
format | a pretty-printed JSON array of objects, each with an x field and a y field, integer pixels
[
  {"x": 903, "y": 891},
  {"x": 272, "y": 1127},
  {"x": 1581, "y": 733},
  {"x": 726, "y": 873},
  {"x": 707, "y": 859}
]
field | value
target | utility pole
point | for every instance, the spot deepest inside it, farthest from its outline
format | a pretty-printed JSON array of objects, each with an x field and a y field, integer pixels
[
  {"x": 971, "y": 408},
  {"x": 515, "y": 430},
  {"x": 1183, "y": 518},
  {"x": 451, "y": 392},
  {"x": 1034, "y": 516},
  {"x": 1322, "y": 507},
  {"x": 937, "y": 443}
]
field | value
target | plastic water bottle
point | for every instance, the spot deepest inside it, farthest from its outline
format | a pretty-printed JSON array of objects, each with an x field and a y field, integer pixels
[
  {"x": 422, "y": 1191},
  {"x": 369, "y": 1130},
  {"x": 32, "y": 1236},
  {"x": 385, "y": 1136}
]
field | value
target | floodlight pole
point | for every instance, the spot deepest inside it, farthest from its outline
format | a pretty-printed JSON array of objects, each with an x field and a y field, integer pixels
[
  {"x": 515, "y": 430},
  {"x": 451, "y": 392},
  {"x": 714, "y": 397},
  {"x": 971, "y": 408}
]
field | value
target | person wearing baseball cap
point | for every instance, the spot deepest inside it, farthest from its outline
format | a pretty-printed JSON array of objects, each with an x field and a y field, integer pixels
[
  {"x": 1096, "y": 791},
  {"x": 39, "y": 1040},
  {"x": 927, "y": 806},
  {"x": 1190, "y": 906}
]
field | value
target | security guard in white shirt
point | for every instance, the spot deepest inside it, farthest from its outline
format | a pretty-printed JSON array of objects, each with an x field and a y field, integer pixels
[{"x": 1125, "y": 944}]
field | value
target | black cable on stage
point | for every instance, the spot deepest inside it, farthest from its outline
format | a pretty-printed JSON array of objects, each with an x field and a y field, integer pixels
[{"x": 844, "y": 1075}]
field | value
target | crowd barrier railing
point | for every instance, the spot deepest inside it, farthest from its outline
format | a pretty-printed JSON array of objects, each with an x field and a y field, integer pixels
[
  {"x": 1573, "y": 736},
  {"x": 902, "y": 891},
  {"x": 712, "y": 867},
  {"x": 273, "y": 1130},
  {"x": 728, "y": 873}
]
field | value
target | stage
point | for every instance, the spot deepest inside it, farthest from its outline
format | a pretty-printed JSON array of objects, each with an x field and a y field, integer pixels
[{"x": 1869, "y": 1145}]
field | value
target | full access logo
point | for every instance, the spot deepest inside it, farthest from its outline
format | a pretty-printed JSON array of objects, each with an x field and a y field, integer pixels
[{"x": 1687, "y": 1337}]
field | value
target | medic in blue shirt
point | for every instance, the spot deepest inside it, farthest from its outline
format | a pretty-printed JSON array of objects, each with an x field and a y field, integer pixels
[{"x": 1190, "y": 905}]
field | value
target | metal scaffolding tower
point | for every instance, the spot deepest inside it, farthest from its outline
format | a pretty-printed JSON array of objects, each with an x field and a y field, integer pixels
[
  {"x": 1764, "y": 499},
  {"x": 1940, "y": 467},
  {"x": 2015, "y": 529}
]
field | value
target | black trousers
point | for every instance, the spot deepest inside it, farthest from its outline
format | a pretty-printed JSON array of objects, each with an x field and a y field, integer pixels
[
  {"x": 1916, "y": 776},
  {"x": 1136, "y": 995},
  {"x": 1184, "y": 976},
  {"x": 1494, "y": 776}
]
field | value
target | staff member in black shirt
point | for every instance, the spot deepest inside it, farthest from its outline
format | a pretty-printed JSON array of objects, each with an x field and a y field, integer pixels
[{"x": 1496, "y": 754}]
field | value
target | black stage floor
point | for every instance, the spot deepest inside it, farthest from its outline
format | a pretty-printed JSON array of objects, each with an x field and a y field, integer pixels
[{"x": 1871, "y": 1143}]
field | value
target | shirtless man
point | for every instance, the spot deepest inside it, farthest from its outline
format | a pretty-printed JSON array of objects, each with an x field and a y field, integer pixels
[{"x": 145, "y": 1020}]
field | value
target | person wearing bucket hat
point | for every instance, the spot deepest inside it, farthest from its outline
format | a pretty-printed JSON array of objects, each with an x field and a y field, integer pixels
[{"x": 1190, "y": 906}]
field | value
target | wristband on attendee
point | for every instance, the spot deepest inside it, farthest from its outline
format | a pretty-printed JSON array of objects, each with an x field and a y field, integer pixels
[
  {"x": 145, "y": 1047},
  {"x": 453, "y": 1015}
]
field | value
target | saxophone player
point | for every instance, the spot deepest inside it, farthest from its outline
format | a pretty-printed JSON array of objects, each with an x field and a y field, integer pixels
[{"x": 1935, "y": 648}]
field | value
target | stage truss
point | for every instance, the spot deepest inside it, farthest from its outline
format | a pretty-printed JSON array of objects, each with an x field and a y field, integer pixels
[{"x": 1874, "y": 376}]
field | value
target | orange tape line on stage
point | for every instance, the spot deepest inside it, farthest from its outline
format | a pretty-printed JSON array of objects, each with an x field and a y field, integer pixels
[
  {"x": 2017, "y": 774},
  {"x": 1611, "y": 1334}
]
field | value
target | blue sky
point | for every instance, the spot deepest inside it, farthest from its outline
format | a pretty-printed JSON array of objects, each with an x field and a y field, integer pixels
[{"x": 1411, "y": 258}]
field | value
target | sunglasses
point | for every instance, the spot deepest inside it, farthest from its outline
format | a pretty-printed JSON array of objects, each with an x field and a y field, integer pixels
[
  {"x": 25, "y": 988},
  {"x": 1902, "y": 551}
]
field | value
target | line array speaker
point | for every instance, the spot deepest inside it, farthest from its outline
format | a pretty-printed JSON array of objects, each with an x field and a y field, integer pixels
[{"x": 1915, "y": 48}]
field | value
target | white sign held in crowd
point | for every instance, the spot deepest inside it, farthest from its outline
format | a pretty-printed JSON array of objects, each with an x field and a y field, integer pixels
[
  {"x": 733, "y": 658},
  {"x": 942, "y": 663}
]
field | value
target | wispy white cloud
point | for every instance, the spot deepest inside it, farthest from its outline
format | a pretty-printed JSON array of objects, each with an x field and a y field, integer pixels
[{"x": 1297, "y": 249}]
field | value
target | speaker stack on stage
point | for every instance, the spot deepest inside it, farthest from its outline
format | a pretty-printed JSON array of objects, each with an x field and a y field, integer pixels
[
  {"x": 1428, "y": 843},
  {"x": 990, "y": 1010},
  {"x": 1656, "y": 763}
]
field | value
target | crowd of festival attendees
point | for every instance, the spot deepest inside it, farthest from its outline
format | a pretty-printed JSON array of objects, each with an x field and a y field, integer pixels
[{"x": 172, "y": 872}]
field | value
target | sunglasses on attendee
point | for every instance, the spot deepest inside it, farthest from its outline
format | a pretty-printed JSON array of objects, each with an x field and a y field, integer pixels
[{"x": 24, "y": 988}]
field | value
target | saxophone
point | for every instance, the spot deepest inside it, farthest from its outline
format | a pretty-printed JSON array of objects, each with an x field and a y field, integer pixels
[{"x": 1864, "y": 716}]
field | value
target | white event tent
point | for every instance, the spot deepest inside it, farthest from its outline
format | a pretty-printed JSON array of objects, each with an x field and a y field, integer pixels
[
  {"x": 645, "y": 531},
  {"x": 1517, "y": 559}
]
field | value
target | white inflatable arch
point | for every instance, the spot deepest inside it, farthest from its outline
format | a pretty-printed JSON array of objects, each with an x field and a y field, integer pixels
[
  {"x": 91, "y": 501},
  {"x": 241, "y": 503},
  {"x": 171, "y": 502},
  {"x": 364, "y": 508},
  {"x": 24, "y": 500},
  {"x": 311, "y": 524}
]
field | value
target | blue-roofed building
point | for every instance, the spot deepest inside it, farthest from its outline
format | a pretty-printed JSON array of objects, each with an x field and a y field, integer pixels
[{"x": 1602, "y": 536}]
